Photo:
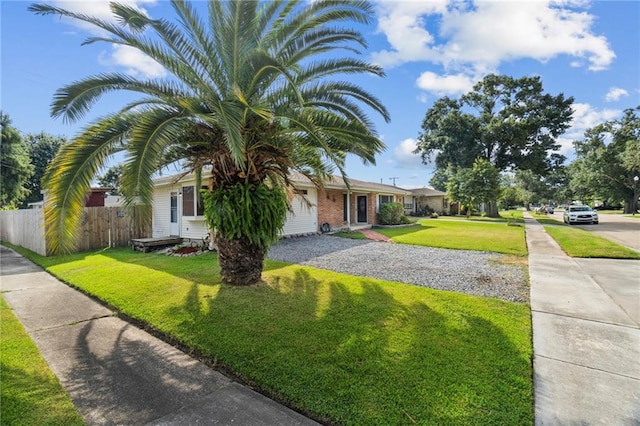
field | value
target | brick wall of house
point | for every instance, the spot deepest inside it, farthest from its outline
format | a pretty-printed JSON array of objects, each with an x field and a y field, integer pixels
[
  {"x": 330, "y": 208},
  {"x": 372, "y": 216}
]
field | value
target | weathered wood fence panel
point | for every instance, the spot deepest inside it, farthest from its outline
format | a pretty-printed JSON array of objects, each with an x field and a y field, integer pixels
[
  {"x": 24, "y": 228},
  {"x": 107, "y": 227},
  {"x": 100, "y": 227}
]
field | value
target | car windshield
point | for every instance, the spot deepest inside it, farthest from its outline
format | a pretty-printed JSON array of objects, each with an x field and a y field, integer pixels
[{"x": 580, "y": 209}]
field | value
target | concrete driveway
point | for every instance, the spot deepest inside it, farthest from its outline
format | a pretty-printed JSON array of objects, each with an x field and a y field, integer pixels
[{"x": 617, "y": 228}]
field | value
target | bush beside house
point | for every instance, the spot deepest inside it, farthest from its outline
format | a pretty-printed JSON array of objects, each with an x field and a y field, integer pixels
[{"x": 392, "y": 214}]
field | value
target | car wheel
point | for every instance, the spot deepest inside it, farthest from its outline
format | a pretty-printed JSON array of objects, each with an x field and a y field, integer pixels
[{"x": 596, "y": 222}]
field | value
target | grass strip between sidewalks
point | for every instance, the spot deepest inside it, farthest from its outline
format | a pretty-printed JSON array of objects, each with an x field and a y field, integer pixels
[
  {"x": 30, "y": 392},
  {"x": 344, "y": 349},
  {"x": 579, "y": 243}
]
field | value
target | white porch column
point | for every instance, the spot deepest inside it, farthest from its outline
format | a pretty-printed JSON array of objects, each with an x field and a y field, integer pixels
[{"x": 348, "y": 210}]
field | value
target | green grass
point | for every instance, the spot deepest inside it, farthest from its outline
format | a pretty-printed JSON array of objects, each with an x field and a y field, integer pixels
[
  {"x": 548, "y": 219},
  {"x": 506, "y": 216},
  {"x": 344, "y": 349},
  {"x": 462, "y": 235},
  {"x": 354, "y": 235},
  {"x": 578, "y": 243},
  {"x": 30, "y": 393}
]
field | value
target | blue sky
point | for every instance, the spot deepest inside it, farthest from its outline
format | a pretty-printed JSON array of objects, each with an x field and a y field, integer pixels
[{"x": 588, "y": 50}]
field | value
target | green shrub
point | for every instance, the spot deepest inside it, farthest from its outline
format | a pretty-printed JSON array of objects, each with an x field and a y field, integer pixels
[{"x": 391, "y": 214}]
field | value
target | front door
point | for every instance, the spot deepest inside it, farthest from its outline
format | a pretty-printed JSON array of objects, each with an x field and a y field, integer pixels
[
  {"x": 362, "y": 208},
  {"x": 174, "y": 227}
]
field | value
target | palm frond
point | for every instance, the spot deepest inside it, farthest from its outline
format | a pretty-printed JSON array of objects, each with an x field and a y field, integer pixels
[{"x": 68, "y": 177}]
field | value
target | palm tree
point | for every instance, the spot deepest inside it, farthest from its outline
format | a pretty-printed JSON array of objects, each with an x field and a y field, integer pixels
[{"x": 253, "y": 93}]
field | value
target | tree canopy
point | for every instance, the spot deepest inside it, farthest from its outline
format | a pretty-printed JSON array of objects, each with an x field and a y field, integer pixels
[
  {"x": 607, "y": 160},
  {"x": 509, "y": 122},
  {"x": 255, "y": 91},
  {"x": 111, "y": 179},
  {"x": 15, "y": 168},
  {"x": 474, "y": 185},
  {"x": 43, "y": 148}
]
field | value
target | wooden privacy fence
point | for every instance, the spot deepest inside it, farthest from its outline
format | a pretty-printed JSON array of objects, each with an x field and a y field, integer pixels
[
  {"x": 100, "y": 227},
  {"x": 24, "y": 228}
]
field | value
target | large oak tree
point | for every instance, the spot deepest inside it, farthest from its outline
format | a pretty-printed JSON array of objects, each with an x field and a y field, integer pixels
[{"x": 509, "y": 122}]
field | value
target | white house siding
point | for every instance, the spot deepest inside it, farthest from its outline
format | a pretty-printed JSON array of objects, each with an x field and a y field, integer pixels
[
  {"x": 304, "y": 218},
  {"x": 161, "y": 211},
  {"x": 303, "y": 221},
  {"x": 194, "y": 228}
]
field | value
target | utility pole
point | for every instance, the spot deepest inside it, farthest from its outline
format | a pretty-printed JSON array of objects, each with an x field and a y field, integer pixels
[{"x": 394, "y": 180}]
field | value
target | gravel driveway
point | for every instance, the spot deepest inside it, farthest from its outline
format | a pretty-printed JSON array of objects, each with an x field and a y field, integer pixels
[{"x": 463, "y": 271}]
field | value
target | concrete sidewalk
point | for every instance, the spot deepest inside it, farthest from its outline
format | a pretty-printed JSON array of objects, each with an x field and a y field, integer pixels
[
  {"x": 586, "y": 335},
  {"x": 116, "y": 373}
]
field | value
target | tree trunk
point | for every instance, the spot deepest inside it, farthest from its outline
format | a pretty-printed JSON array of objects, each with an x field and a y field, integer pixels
[
  {"x": 492, "y": 209},
  {"x": 629, "y": 206},
  {"x": 240, "y": 261}
]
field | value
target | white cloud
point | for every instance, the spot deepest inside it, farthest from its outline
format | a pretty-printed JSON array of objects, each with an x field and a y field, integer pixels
[
  {"x": 135, "y": 62},
  {"x": 615, "y": 93},
  {"x": 404, "y": 156},
  {"x": 477, "y": 36},
  {"x": 403, "y": 24},
  {"x": 445, "y": 85},
  {"x": 96, "y": 8},
  {"x": 585, "y": 116}
]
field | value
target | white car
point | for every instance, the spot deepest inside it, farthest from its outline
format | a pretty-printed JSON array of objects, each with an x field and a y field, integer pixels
[{"x": 580, "y": 214}]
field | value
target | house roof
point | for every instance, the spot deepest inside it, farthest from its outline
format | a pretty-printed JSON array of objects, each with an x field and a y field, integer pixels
[
  {"x": 428, "y": 192},
  {"x": 334, "y": 182}
]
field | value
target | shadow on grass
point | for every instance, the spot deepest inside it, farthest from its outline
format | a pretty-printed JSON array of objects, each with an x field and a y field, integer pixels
[
  {"x": 354, "y": 354},
  {"x": 354, "y": 351},
  {"x": 398, "y": 232}
]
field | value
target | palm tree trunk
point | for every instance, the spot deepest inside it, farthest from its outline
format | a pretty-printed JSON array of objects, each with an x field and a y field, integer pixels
[{"x": 240, "y": 261}]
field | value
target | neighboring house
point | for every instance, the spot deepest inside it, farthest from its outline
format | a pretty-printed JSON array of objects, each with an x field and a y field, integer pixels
[
  {"x": 97, "y": 197},
  {"x": 177, "y": 210},
  {"x": 427, "y": 200}
]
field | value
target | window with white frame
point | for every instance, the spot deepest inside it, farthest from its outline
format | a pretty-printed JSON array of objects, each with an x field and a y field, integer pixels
[
  {"x": 383, "y": 199},
  {"x": 192, "y": 204}
]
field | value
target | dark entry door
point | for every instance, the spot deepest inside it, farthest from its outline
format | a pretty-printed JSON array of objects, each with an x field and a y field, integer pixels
[{"x": 362, "y": 208}]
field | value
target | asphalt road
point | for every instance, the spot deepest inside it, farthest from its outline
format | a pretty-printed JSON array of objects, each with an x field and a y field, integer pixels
[{"x": 617, "y": 228}]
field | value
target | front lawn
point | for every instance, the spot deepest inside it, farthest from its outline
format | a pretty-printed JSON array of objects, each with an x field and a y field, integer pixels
[
  {"x": 579, "y": 243},
  {"x": 462, "y": 235},
  {"x": 343, "y": 349},
  {"x": 506, "y": 216},
  {"x": 30, "y": 393}
]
